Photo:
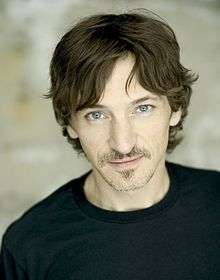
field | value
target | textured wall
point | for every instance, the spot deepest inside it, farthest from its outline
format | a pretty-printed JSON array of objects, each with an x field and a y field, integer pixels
[{"x": 35, "y": 158}]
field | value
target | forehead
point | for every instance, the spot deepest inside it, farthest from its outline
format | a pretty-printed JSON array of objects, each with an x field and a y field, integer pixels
[
  {"x": 114, "y": 96},
  {"x": 133, "y": 102},
  {"x": 115, "y": 91}
]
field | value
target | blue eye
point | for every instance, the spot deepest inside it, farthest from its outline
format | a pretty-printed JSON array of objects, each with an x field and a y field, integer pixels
[
  {"x": 93, "y": 114},
  {"x": 145, "y": 106},
  {"x": 96, "y": 114}
]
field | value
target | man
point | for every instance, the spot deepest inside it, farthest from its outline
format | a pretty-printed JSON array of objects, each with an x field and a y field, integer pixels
[{"x": 121, "y": 95}]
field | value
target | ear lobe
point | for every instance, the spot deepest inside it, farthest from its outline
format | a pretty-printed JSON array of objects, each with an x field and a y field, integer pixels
[
  {"x": 72, "y": 132},
  {"x": 175, "y": 117}
]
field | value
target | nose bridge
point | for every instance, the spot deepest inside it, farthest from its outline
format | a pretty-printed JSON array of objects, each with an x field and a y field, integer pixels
[{"x": 122, "y": 135}]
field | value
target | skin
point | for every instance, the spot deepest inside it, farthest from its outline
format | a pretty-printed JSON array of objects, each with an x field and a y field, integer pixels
[{"x": 124, "y": 130}]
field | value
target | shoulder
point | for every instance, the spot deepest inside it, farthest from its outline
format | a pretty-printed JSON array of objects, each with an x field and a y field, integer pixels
[
  {"x": 200, "y": 180},
  {"x": 195, "y": 172},
  {"x": 40, "y": 220}
]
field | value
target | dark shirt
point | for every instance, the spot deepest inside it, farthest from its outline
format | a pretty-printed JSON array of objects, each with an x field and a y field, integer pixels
[{"x": 64, "y": 236}]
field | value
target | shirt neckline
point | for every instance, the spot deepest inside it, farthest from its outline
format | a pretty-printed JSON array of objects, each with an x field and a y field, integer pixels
[{"x": 139, "y": 215}]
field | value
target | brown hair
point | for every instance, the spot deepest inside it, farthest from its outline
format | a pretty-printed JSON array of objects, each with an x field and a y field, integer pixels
[{"x": 85, "y": 56}]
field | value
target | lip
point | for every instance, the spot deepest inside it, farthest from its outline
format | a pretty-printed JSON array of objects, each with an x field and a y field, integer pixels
[
  {"x": 124, "y": 161},
  {"x": 125, "y": 164}
]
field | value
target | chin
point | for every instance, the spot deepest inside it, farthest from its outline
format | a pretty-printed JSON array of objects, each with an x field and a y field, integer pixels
[
  {"x": 122, "y": 182},
  {"x": 128, "y": 179}
]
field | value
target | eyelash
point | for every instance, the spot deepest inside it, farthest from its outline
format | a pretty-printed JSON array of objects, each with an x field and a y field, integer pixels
[{"x": 87, "y": 115}]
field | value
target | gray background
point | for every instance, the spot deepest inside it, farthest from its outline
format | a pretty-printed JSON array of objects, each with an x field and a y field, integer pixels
[{"x": 35, "y": 158}]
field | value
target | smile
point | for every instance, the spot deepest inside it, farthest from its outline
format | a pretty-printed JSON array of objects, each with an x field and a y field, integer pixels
[{"x": 125, "y": 163}]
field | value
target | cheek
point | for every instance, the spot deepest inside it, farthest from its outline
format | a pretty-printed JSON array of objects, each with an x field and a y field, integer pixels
[
  {"x": 92, "y": 140},
  {"x": 160, "y": 132},
  {"x": 156, "y": 135},
  {"x": 93, "y": 136}
]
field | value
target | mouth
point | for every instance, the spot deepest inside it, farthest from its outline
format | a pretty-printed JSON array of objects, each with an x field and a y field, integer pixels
[
  {"x": 125, "y": 163},
  {"x": 124, "y": 160}
]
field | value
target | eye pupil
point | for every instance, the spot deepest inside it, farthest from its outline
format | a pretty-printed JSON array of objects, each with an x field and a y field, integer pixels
[
  {"x": 96, "y": 114},
  {"x": 144, "y": 106}
]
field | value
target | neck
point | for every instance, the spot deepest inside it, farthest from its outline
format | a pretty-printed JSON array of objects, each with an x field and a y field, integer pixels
[{"x": 99, "y": 194}]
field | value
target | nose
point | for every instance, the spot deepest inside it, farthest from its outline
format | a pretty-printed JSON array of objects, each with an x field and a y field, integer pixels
[{"x": 122, "y": 136}]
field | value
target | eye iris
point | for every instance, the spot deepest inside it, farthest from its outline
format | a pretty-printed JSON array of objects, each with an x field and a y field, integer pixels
[
  {"x": 143, "y": 106},
  {"x": 94, "y": 114}
]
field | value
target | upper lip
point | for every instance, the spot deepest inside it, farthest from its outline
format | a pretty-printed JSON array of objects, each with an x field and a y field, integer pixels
[{"x": 124, "y": 160}]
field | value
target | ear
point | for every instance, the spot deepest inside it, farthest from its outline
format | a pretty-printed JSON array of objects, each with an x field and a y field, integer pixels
[
  {"x": 72, "y": 132},
  {"x": 175, "y": 117}
]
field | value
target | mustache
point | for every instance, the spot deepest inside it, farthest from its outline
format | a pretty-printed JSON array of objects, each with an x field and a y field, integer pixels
[{"x": 116, "y": 156}]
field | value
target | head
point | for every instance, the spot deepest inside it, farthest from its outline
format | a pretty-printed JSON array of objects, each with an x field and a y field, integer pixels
[{"x": 112, "y": 60}]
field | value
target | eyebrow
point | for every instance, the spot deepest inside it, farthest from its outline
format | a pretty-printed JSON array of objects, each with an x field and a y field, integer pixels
[{"x": 100, "y": 106}]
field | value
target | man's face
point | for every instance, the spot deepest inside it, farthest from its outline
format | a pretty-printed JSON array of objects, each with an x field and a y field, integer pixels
[{"x": 123, "y": 129}]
